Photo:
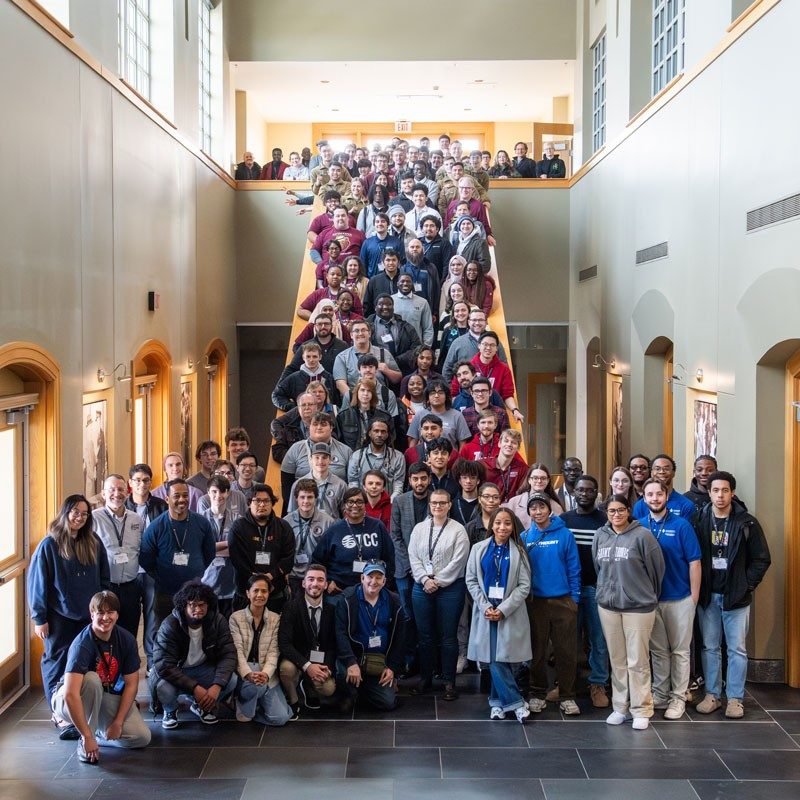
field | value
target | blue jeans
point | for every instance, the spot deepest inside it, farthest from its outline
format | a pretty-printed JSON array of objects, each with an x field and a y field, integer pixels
[
  {"x": 598, "y": 649},
  {"x": 203, "y": 673},
  {"x": 382, "y": 698},
  {"x": 504, "y": 693},
  {"x": 713, "y": 620},
  {"x": 404, "y": 589},
  {"x": 265, "y": 704},
  {"x": 437, "y": 618}
]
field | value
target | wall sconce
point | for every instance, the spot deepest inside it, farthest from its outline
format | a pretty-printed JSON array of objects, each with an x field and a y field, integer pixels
[
  {"x": 698, "y": 376},
  {"x": 599, "y": 362},
  {"x": 203, "y": 361},
  {"x": 124, "y": 378},
  {"x": 675, "y": 377}
]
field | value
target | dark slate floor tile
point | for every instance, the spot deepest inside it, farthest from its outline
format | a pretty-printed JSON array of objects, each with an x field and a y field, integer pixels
[
  {"x": 39, "y": 733},
  {"x": 762, "y": 765},
  {"x": 775, "y": 697},
  {"x": 459, "y": 734},
  {"x": 22, "y": 763},
  {"x": 377, "y": 733},
  {"x": 471, "y": 762},
  {"x": 590, "y": 734},
  {"x": 195, "y": 789},
  {"x": 276, "y": 762},
  {"x": 788, "y": 720},
  {"x": 193, "y": 733},
  {"x": 728, "y": 735},
  {"x": 152, "y": 763},
  {"x": 469, "y": 789},
  {"x": 309, "y": 788},
  {"x": 649, "y": 764},
  {"x": 752, "y": 713},
  {"x": 39, "y": 710},
  {"x": 48, "y": 790},
  {"x": 746, "y": 790},
  {"x": 389, "y": 762},
  {"x": 616, "y": 789},
  {"x": 476, "y": 707},
  {"x": 410, "y": 708}
]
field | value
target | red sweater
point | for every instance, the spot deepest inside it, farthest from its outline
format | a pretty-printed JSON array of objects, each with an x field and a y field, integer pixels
[
  {"x": 510, "y": 480},
  {"x": 498, "y": 373},
  {"x": 382, "y": 511},
  {"x": 475, "y": 451}
]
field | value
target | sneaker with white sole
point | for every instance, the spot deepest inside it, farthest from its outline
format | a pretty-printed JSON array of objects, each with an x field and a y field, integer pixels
[
  {"x": 570, "y": 708},
  {"x": 675, "y": 709},
  {"x": 206, "y": 717},
  {"x": 169, "y": 720},
  {"x": 522, "y": 713},
  {"x": 497, "y": 713},
  {"x": 641, "y": 723},
  {"x": 615, "y": 718},
  {"x": 537, "y": 705}
]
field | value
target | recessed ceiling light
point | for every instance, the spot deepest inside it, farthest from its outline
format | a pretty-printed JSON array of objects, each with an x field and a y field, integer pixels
[
  {"x": 324, "y": 81},
  {"x": 467, "y": 109},
  {"x": 334, "y": 109},
  {"x": 478, "y": 80}
]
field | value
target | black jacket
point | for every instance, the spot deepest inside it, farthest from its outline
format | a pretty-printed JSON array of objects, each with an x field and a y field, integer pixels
[
  {"x": 172, "y": 646},
  {"x": 748, "y": 556},
  {"x": 329, "y": 353},
  {"x": 438, "y": 251},
  {"x": 403, "y": 347},
  {"x": 243, "y": 173},
  {"x": 244, "y": 540},
  {"x": 289, "y": 388},
  {"x": 697, "y": 496},
  {"x": 552, "y": 167},
  {"x": 353, "y": 432},
  {"x": 286, "y": 430},
  {"x": 295, "y": 639},
  {"x": 526, "y": 167},
  {"x": 477, "y": 250},
  {"x": 155, "y": 506},
  {"x": 350, "y": 649},
  {"x": 380, "y": 283}
]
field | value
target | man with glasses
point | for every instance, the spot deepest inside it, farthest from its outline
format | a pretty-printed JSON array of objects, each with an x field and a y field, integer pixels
[
  {"x": 663, "y": 469},
  {"x": 481, "y": 391},
  {"x": 488, "y": 502},
  {"x": 465, "y": 348},
  {"x": 206, "y": 455},
  {"x": 236, "y": 502},
  {"x": 639, "y": 466},
  {"x": 293, "y": 426},
  {"x": 571, "y": 470},
  {"x": 246, "y": 466},
  {"x": 237, "y": 440},
  {"x": 487, "y": 363},
  {"x": 347, "y": 546},
  {"x": 370, "y": 633},
  {"x": 261, "y": 542}
]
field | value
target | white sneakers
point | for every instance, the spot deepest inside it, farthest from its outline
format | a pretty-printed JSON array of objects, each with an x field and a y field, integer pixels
[
  {"x": 675, "y": 709},
  {"x": 639, "y": 723},
  {"x": 522, "y": 713},
  {"x": 497, "y": 713}
]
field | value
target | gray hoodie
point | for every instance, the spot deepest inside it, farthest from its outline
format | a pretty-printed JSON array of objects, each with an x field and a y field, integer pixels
[{"x": 630, "y": 568}]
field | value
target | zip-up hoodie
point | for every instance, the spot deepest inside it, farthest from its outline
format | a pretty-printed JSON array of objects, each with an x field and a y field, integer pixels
[
  {"x": 630, "y": 568},
  {"x": 555, "y": 566}
]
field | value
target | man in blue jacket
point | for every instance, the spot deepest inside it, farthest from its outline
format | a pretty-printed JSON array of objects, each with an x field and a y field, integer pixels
[
  {"x": 553, "y": 603},
  {"x": 663, "y": 468}
]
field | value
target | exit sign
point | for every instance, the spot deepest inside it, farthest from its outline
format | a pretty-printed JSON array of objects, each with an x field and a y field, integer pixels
[{"x": 402, "y": 126}]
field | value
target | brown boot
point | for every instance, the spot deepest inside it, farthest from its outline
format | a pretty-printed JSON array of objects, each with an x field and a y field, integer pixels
[
  {"x": 598, "y": 695},
  {"x": 553, "y": 695}
]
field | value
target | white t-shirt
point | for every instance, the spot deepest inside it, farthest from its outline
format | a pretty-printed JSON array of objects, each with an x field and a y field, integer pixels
[{"x": 196, "y": 655}]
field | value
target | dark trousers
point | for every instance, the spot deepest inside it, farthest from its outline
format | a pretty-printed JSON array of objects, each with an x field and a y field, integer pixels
[
  {"x": 405, "y": 586},
  {"x": 56, "y": 646},
  {"x": 437, "y": 618},
  {"x": 147, "y": 586},
  {"x": 553, "y": 619},
  {"x": 130, "y": 602},
  {"x": 162, "y": 608}
]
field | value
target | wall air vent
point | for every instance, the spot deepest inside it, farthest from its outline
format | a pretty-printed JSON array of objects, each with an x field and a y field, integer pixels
[
  {"x": 652, "y": 253},
  {"x": 586, "y": 274},
  {"x": 780, "y": 211}
]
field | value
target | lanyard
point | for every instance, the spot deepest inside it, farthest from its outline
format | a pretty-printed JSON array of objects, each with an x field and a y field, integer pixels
[
  {"x": 716, "y": 539},
  {"x": 262, "y": 532},
  {"x": 487, "y": 447},
  {"x": 498, "y": 557},
  {"x": 119, "y": 531},
  {"x": 352, "y": 533},
  {"x": 220, "y": 523},
  {"x": 305, "y": 531},
  {"x": 433, "y": 542},
  {"x": 323, "y": 491},
  {"x": 461, "y": 513},
  {"x": 180, "y": 542},
  {"x": 654, "y": 529},
  {"x": 373, "y": 620}
]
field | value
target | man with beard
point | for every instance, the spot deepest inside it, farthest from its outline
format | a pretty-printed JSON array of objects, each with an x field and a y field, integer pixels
[
  {"x": 392, "y": 332},
  {"x": 349, "y": 238},
  {"x": 424, "y": 275}
]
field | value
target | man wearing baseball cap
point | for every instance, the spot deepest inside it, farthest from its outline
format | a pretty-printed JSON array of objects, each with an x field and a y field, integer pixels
[{"x": 370, "y": 634}]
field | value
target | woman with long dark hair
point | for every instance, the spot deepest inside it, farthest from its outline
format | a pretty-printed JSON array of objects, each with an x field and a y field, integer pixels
[
  {"x": 456, "y": 325},
  {"x": 353, "y": 421},
  {"x": 537, "y": 479},
  {"x": 503, "y": 167},
  {"x": 68, "y": 568},
  {"x": 378, "y": 197},
  {"x": 478, "y": 287}
]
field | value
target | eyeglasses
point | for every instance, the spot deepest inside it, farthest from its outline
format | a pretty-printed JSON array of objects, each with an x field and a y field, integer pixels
[
  {"x": 261, "y": 501},
  {"x": 660, "y": 470},
  {"x": 141, "y": 480},
  {"x": 476, "y": 390},
  {"x": 224, "y": 473},
  {"x": 440, "y": 502},
  {"x": 247, "y": 465},
  {"x": 638, "y": 468},
  {"x": 615, "y": 511},
  {"x": 436, "y": 391},
  {"x": 198, "y": 604},
  {"x": 78, "y": 514},
  {"x": 354, "y": 501}
]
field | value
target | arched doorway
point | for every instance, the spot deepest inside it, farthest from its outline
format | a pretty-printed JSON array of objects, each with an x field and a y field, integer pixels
[
  {"x": 792, "y": 520},
  {"x": 30, "y": 444},
  {"x": 216, "y": 368},
  {"x": 658, "y": 393},
  {"x": 151, "y": 431}
]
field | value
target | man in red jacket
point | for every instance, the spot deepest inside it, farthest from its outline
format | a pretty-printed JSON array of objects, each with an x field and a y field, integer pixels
[
  {"x": 275, "y": 169},
  {"x": 379, "y": 504},
  {"x": 507, "y": 469},
  {"x": 487, "y": 363}
]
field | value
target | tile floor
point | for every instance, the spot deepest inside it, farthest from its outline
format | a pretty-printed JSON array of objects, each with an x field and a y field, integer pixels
[{"x": 427, "y": 748}]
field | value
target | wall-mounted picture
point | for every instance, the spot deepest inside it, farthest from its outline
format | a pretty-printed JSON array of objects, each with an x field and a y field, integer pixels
[
  {"x": 705, "y": 428},
  {"x": 187, "y": 420},
  {"x": 97, "y": 437},
  {"x": 616, "y": 423}
]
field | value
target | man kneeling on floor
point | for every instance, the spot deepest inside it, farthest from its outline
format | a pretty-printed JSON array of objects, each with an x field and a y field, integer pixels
[
  {"x": 194, "y": 655},
  {"x": 98, "y": 693},
  {"x": 370, "y": 632}
]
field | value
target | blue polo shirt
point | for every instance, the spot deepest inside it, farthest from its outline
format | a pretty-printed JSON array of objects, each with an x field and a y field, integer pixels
[
  {"x": 679, "y": 544},
  {"x": 679, "y": 505}
]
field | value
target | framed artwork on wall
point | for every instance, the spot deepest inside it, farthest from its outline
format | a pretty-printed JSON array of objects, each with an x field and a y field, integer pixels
[
  {"x": 98, "y": 428},
  {"x": 187, "y": 420},
  {"x": 705, "y": 428}
]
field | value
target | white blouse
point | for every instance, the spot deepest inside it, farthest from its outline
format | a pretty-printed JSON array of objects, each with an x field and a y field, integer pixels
[{"x": 450, "y": 551}]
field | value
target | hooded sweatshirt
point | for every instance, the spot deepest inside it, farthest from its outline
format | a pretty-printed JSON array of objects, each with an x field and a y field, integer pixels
[
  {"x": 555, "y": 566},
  {"x": 630, "y": 569}
]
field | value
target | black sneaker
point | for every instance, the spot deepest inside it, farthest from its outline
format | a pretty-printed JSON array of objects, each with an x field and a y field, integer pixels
[
  {"x": 169, "y": 720},
  {"x": 295, "y": 709}
]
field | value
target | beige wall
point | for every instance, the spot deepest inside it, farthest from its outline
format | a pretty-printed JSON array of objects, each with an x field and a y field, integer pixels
[
  {"x": 723, "y": 296},
  {"x": 288, "y": 136},
  {"x": 96, "y": 211}
]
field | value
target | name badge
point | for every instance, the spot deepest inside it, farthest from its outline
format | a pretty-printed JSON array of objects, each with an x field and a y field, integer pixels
[
  {"x": 387, "y": 337},
  {"x": 180, "y": 559},
  {"x": 496, "y": 592},
  {"x": 219, "y": 561},
  {"x": 429, "y": 567},
  {"x": 254, "y": 666},
  {"x": 263, "y": 557},
  {"x": 317, "y": 656},
  {"x": 358, "y": 566},
  {"x": 417, "y": 287},
  {"x": 719, "y": 563},
  {"x": 374, "y": 641},
  {"x": 301, "y": 558},
  {"x": 120, "y": 558}
]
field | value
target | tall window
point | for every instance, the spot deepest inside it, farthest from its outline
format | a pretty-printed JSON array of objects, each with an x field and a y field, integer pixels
[
  {"x": 133, "y": 43},
  {"x": 204, "y": 39},
  {"x": 669, "y": 20},
  {"x": 599, "y": 93}
]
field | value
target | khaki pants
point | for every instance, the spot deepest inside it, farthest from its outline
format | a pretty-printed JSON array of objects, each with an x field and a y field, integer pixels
[
  {"x": 670, "y": 642},
  {"x": 628, "y": 636},
  {"x": 290, "y": 676}
]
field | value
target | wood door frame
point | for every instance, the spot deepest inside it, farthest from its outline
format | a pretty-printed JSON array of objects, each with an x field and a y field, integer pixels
[
  {"x": 534, "y": 380},
  {"x": 792, "y": 523}
]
